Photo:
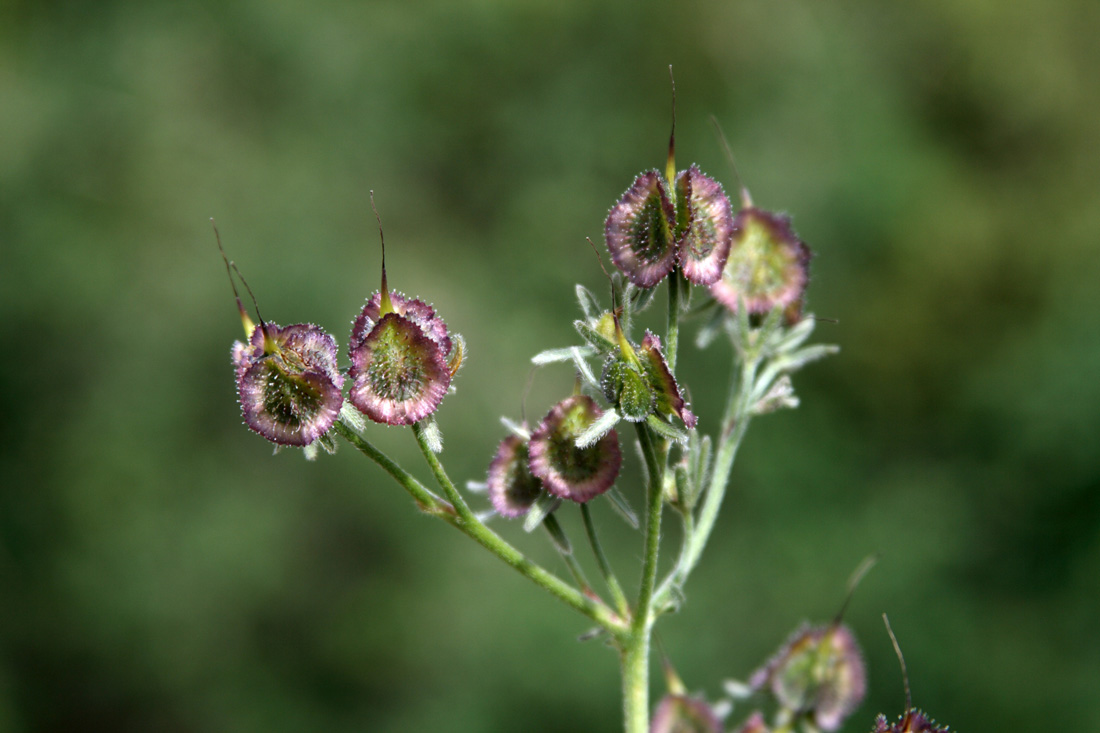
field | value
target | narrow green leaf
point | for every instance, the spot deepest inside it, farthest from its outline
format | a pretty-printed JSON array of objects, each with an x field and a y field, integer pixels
[{"x": 622, "y": 507}]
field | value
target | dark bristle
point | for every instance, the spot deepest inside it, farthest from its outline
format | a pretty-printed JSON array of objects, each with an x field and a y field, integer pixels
[
  {"x": 610, "y": 279},
  {"x": 230, "y": 269},
  {"x": 853, "y": 582},
  {"x": 251, "y": 295},
  {"x": 746, "y": 199},
  {"x": 382, "y": 237},
  {"x": 672, "y": 134},
  {"x": 904, "y": 670}
]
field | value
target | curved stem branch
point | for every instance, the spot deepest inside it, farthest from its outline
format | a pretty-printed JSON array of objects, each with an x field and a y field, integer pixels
[
  {"x": 605, "y": 567},
  {"x": 425, "y": 499},
  {"x": 697, "y": 532},
  {"x": 441, "y": 477},
  {"x": 561, "y": 543},
  {"x": 469, "y": 524},
  {"x": 653, "y": 527}
]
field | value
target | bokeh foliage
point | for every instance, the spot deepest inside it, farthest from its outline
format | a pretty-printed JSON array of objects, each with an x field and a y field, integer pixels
[{"x": 159, "y": 570}]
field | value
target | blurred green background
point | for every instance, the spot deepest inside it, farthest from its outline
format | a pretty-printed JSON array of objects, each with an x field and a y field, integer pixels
[{"x": 160, "y": 570}]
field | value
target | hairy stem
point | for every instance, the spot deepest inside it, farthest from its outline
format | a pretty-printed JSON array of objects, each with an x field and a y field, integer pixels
[
  {"x": 635, "y": 648},
  {"x": 605, "y": 567},
  {"x": 441, "y": 477},
  {"x": 561, "y": 543},
  {"x": 697, "y": 533},
  {"x": 469, "y": 524},
  {"x": 673, "y": 332},
  {"x": 425, "y": 499}
]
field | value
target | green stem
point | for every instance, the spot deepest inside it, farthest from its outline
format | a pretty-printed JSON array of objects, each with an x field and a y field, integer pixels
[
  {"x": 653, "y": 526},
  {"x": 673, "y": 333},
  {"x": 635, "y": 673},
  {"x": 469, "y": 524},
  {"x": 635, "y": 648},
  {"x": 605, "y": 567},
  {"x": 441, "y": 477},
  {"x": 733, "y": 430},
  {"x": 425, "y": 499},
  {"x": 734, "y": 424},
  {"x": 562, "y": 544}
]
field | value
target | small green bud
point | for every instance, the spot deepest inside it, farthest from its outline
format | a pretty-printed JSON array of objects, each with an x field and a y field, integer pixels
[{"x": 626, "y": 387}]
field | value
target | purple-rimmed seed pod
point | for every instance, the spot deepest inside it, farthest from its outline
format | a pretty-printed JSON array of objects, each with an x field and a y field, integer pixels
[
  {"x": 913, "y": 721},
  {"x": 639, "y": 231},
  {"x": 683, "y": 714},
  {"x": 512, "y": 488},
  {"x": 819, "y": 671},
  {"x": 402, "y": 357},
  {"x": 768, "y": 265},
  {"x": 399, "y": 367},
  {"x": 669, "y": 400},
  {"x": 288, "y": 382},
  {"x": 565, "y": 470},
  {"x": 704, "y": 226}
]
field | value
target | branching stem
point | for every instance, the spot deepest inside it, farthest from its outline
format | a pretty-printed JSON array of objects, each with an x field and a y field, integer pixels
[{"x": 467, "y": 523}]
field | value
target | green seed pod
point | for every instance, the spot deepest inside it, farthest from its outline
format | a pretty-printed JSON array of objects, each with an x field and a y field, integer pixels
[
  {"x": 625, "y": 386},
  {"x": 288, "y": 382},
  {"x": 402, "y": 357},
  {"x": 669, "y": 401},
  {"x": 399, "y": 369}
]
